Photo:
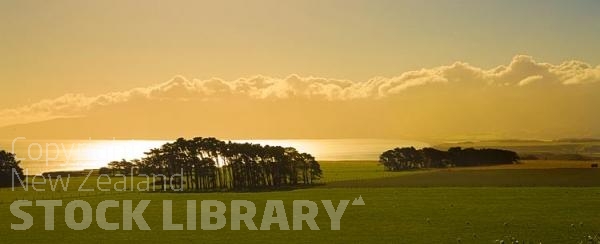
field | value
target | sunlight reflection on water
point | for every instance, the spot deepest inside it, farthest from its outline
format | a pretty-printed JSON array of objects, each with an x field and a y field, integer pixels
[{"x": 52, "y": 155}]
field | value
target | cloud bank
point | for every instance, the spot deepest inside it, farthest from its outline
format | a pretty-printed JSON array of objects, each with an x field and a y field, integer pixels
[{"x": 522, "y": 75}]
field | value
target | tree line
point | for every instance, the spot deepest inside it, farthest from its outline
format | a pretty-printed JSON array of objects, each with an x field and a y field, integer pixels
[
  {"x": 205, "y": 164},
  {"x": 407, "y": 158}
]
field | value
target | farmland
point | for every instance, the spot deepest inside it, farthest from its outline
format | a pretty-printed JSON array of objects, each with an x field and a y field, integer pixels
[{"x": 536, "y": 201}]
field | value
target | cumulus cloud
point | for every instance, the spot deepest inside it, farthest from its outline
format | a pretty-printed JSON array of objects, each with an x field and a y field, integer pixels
[
  {"x": 522, "y": 71},
  {"x": 530, "y": 79}
]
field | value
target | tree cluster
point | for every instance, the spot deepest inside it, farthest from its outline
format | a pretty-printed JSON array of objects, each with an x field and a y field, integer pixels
[
  {"x": 8, "y": 163},
  {"x": 205, "y": 164},
  {"x": 410, "y": 158}
]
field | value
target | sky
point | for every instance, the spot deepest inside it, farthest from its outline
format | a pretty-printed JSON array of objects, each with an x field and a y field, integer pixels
[{"x": 90, "y": 61}]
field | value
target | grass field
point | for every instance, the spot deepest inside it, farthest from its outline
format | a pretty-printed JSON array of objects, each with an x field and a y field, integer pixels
[{"x": 428, "y": 206}]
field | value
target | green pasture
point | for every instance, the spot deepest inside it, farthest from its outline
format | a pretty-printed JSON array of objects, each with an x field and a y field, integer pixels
[{"x": 546, "y": 205}]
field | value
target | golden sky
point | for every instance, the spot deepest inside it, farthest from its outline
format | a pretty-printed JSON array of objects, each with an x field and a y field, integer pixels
[{"x": 290, "y": 69}]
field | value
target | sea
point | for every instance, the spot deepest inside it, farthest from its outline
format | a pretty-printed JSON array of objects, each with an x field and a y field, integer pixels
[{"x": 39, "y": 156}]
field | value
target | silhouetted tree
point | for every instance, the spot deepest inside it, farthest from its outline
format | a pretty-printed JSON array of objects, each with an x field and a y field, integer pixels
[
  {"x": 207, "y": 164},
  {"x": 402, "y": 159},
  {"x": 104, "y": 171},
  {"x": 9, "y": 167},
  {"x": 410, "y": 158},
  {"x": 123, "y": 167},
  {"x": 434, "y": 158}
]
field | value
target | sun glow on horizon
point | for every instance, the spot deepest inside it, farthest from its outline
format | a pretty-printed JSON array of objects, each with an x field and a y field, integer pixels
[{"x": 40, "y": 156}]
